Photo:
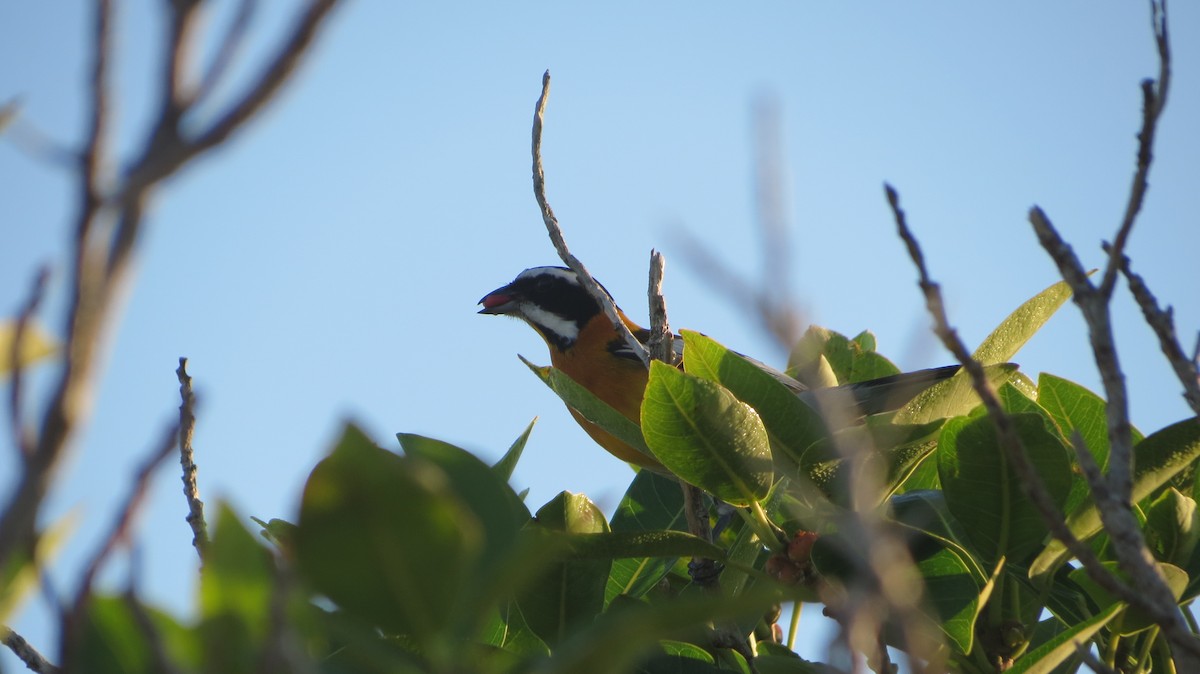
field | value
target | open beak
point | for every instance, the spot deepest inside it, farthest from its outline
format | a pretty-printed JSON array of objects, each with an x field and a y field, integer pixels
[{"x": 499, "y": 301}]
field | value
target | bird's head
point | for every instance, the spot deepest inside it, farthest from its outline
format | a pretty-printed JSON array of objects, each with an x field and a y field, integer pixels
[{"x": 550, "y": 299}]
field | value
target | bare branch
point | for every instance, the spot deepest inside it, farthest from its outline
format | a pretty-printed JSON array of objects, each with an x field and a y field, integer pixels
[
  {"x": 1031, "y": 483},
  {"x": 556, "y": 236},
  {"x": 1154, "y": 99},
  {"x": 1163, "y": 324},
  {"x": 28, "y": 654},
  {"x": 23, "y": 436},
  {"x": 99, "y": 267},
  {"x": 187, "y": 427},
  {"x": 661, "y": 343}
]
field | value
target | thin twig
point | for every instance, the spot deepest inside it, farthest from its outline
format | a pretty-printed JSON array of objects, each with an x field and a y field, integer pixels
[
  {"x": 1154, "y": 99},
  {"x": 27, "y": 653},
  {"x": 1014, "y": 450},
  {"x": 23, "y": 435},
  {"x": 99, "y": 268},
  {"x": 661, "y": 343},
  {"x": 1163, "y": 324},
  {"x": 556, "y": 236},
  {"x": 187, "y": 428}
]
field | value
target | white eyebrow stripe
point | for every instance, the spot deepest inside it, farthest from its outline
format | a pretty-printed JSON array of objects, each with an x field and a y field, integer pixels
[
  {"x": 564, "y": 274},
  {"x": 567, "y": 331}
]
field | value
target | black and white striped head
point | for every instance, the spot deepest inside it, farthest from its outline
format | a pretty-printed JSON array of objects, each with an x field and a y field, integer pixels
[{"x": 548, "y": 298}]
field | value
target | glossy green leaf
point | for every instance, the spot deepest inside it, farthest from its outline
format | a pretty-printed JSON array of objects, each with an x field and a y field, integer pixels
[
  {"x": 569, "y": 593},
  {"x": 1019, "y": 326},
  {"x": 235, "y": 597},
  {"x": 1046, "y": 657},
  {"x": 387, "y": 538},
  {"x": 590, "y": 407},
  {"x": 984, "y": 493},
  {"x": 793, "y": 427},
  {"x": 951, "y": 397},
  {"x": 1157, "y": 459},
  {"x": 651, "y": 503},
  {"x": 36, "y": 344},
  {"x": 706, "y": 436},
  {"x": 507, "y": 463},
  {"x": 633, "y": 544}
]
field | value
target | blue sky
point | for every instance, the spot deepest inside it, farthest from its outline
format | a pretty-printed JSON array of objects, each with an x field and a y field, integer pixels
[{"x": 325, "y": 265}]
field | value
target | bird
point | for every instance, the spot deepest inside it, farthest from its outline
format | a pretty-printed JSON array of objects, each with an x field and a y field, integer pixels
[{"x": 584, "y": 346}]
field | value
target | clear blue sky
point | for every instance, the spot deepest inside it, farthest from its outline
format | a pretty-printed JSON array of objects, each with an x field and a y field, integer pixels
[{"x": 325, "y": 265}]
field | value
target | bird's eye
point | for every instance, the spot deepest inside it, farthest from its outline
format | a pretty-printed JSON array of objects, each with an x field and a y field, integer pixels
[{"x": 543, "y": 284}]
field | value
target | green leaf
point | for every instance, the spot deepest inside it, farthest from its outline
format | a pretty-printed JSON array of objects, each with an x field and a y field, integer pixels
[
  {"x": 954, "y": 595},
  {"x": 1135, "y": 620},
  {"x": 984, "y": 493},
  {"x": 951, "y": 397},
  {"x": 235, "y": 597},
  {"x": 36, "y": 344},
  {"x": 21, "y": 576},
  {"x": 498, "y": 508},
  {"x": 387, "y": 538},
  {"x": 1172, "y": 527},
  {"x": 590, "y": 407},
  {"x": 1157, "y": 459},
  {"x": 634, "y": 544},
  {"x": 1046, "y": 657},
  {"x": 619, "y": 638},
  {"x": 111, "y": 640},
  {"x": 652, "y": 502},
  {"x": 821, "y": 352},
  {"x": 792, "y": 426},
  {"x": 1076, "y": 409},
  {"x": 706, "y": 436},
  {"x": 568, "y": 594},
  {"x": 508, "y": 630},
  {"x": 281, "y": 534},
  {"x": 507, "y": 463},
  {"x": 1016, "y": 329}
]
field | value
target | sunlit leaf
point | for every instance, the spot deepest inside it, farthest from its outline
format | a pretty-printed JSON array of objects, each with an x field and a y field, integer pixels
[
  {"x": 706, "y": 436},
  {"x": 36, "y": 344}
]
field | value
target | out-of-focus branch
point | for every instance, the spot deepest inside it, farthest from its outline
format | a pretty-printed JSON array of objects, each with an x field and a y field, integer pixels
[
  {"x": 769, "y": 300},
  {"x": 556, "y": 236},
  {"x": 22, "y": 435},
  {"x": 100, "y": 263},
  {"x": 228, "y": 49},
  {"x": 187, "y": 459},
  {"x": 1030, "y": 482}
]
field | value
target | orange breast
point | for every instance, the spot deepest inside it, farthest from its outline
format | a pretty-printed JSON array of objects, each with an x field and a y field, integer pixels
[{"x": 620, "y": 382}]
